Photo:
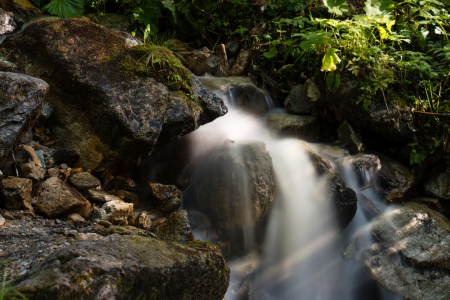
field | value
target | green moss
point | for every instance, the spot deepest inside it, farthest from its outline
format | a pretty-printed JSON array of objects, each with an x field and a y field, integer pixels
[
  {"x": 65, "y": 258},
  {"x": 80, "y": 278}
]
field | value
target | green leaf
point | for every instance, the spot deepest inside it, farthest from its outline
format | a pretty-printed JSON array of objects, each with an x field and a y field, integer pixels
[
  {"x": 367, "y": 103},
  {"x": 379, "y": 8},
  {"x": 330, "y": 80},
  {"x": 65, "y": 8},
  {"x": 337, "y": 7},
  {"x": 337, "y": 80},
  {"x": 169, "y": 4},
  {"x": 272, "y": 53}
]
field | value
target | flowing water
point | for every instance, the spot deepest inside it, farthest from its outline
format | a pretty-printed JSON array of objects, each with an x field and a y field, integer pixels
[{"x": 300, "y": 257}]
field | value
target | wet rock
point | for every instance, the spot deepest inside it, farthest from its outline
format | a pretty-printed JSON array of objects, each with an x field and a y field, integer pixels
[
  {"x": 250, "y": 98},
  {"x": 439, "y": 186},
  {"x": 7, "y": 23},
  {"x": 332, "y": 151},
  {"x": 122, "y": 115},
  {"x": 21, "y": 96},
  {"x": 176, "y": 228},
  {"x": 342, "y": 198},
  {"x": 438, "y": 205},
  {"x": 117, "y": 211},
  {"x": 297, "y": 103},
  {"x": 350, "y": 138},
  {"x": 321, "y": 164},
  {"x": 302, "y": 127},
  {"x": 240, "y": 66},
  {"x": 114, "y": 22},
  {"x": 100, "y": 196},
  {"x": 84, "y": 180},
  {"x": 232, "y": 48},
  {"x": 363, "y": 161},
  {"x": 56, "y": 198},
  {"x": 29, "y": 164},
  {"x": 66, "y": 155},
  {"x": 24, "y": 7},
  {"x": 393, "y": 124},
  {"x": 409, "y": 254},
  {"x": 221, "y": 53},
  {"x": 201, "y": 61},
  {"x": 142, "y": 220},
  {"x": 126, "y": 230},
  {"x": 47, "y": 110},
  {"x": 117, "y": 266},
  {"x": 164, "y": 199},
  {"x": 16, "y": 193},
  {"x": 217, "y": 184},
  {"x": 40, "y": 155},
  {"x": 395, "y": 181}
]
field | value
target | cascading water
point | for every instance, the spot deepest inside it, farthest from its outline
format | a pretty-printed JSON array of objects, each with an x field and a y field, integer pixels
[{"x": 298, "y": 256}]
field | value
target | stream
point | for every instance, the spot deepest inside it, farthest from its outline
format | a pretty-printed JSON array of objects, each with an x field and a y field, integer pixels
[{"x": 300, "y": 254}]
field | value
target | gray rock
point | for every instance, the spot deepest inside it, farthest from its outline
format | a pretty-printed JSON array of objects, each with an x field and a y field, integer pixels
[
  {"x": 84, "y": 180},
  {"x": 217, "y": 184},
  {"x": 239, "y": 67},
  {"x": 439, "y": 186},
  {"x": 441, "y": 206},
  {"x": 297, "y": 103},
  {"x": 201, "y": 61},
  {"x": 21, "y": 97},
  {"x": 7, "y": 23},
  {"x": 103, "y": 113},
  {"x": 117, "y": 211},
  {"x": 363, "y": 161},
  {"x": 302, "y": 127},
  {"x": 321, "y": 164},
  {"x": 350, "y": 138},
  {"x": 176, "y": 228},
  {"x": 16, "y": 193},
  {"x": 7, "y": 66},
  {"x": 409, "y": 253},
  {"x": 47, "y": 110},
  {"x": 164, "y": 199},
  {"x": 129, "y": 267},
  {"x": 395, "y": 182},
  {"x": 342, "y": 198},
  {"x": 100, "y": 196},
  {"x": 232, "y": 48},
  {"x": 99, "y": 215},
  {"x": 41, "y": 157}
]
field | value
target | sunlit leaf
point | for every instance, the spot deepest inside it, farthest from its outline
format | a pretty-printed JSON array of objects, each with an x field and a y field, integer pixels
[
  {"x": 330, "y": 80},
  {"x": 170, "y": 5},
  {"x": 65, "y": 8},
  {"x": 272, "y": 53},
  {"x": 379, "y": 8},
  {"x": 337, "y": 7}
]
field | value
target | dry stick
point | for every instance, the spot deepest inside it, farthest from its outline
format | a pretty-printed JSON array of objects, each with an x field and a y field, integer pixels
[
  {"x": 433, "y": 114},
  {"x": 385, "y": 101},
  {"x": 15, "y": 166},
  {"x": 369, "y": 186}
]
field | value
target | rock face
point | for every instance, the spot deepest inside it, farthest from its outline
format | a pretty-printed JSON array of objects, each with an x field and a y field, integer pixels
[
  {"x": 235, "y": 184},
  {"x": 7, "y": 23},
  {"x": 84, "y": 180},
  {"x": 130, "y": 267},
  {"x": 24, "y": 7},
  {"x": 395, "y": 181},
  {"x": 393, "y": 124},
  {"x": 302, "y": 127},
  {"x": 101, "y": 112},
  {"x": 56, "y": 199},
  {"x": 363, "y": 161},
  {"x": 342, "y": 198},
  {"x": 350, "y": 138},
  {"x": 297, "y": 103},
  {"x": 439, "y": 186},
  {"x": 321, "y": 164},
  {"x": 176, "y": 228},
  {"x": 21, "y": 97},
  {"x": 410, "y": 254},
  {"x": 16, "y": 193}
]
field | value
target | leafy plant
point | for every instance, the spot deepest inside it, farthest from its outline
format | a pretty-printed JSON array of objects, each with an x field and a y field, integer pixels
[
  {"x": 63, "y": 8},
  {"x": 6, "y": 291}
]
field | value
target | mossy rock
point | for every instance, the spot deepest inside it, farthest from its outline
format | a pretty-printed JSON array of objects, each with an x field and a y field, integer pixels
[
  {"x": 102, "y": 112},
  {"x": 129, "y": 267}
]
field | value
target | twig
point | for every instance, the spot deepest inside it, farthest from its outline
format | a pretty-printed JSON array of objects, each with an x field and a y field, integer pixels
[
  {"x": 369, "y": 186},
  {"x": 385, "y": 101},
  {"x": 434, "y": 114},
  {"x": 15, "y": 166}
]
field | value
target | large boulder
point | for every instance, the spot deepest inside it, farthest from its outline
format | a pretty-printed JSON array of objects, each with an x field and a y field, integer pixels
[
  {"x": 234, "y": 185},
  {"x": 176, "y": 228},
  {"x": 297, "y": 102},
  {"x": 395, "y": 182},
  {"x": 15, "y": 193},
  {"x": 129, "y": 267},
  {"x": 55, "y": 198},
  {"x": 105, "y": 109},
  {"x": 321, "y": 164},
  {"x": 342, "y": 199},
  {"x": 7, "y": 23},
  {"x": 393, "y": 123},
  {"x": 202, "y": 61},
  {"x": 302, "y": 127},
  {"x": 21, "y": 98},
  {"x": 439, "y": 186},
  {"x": 409, "y": 252},
  {"x": 350, "y": 138}
]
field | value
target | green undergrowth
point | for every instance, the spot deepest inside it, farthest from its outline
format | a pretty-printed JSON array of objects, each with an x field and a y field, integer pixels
[{"x": 6, "y": 291}]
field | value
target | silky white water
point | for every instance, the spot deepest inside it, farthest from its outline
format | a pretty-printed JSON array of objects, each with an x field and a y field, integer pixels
[{"x": 301, "y": 254}]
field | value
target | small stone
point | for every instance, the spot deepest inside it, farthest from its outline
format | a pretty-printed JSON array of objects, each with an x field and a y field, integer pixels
[
  {"x": 106, "y": 224},
  {"x": 52, "y": 172},
  {"x": 89, "y": 236},
  {"x": 75, "y": 218},
  {"x": 2, "y": 221},
  {"x": 176, "y": 229},
  {"x": 99, "y": 214},
  {"x": 40, "y": 156},
  {"x": 142, "y": 220},
  {"x": 8, "y": 216},
  {"x": 118, "y": 211},
  {"x": 69, "y": 233},
  {"x": 100, "y": 196},
  {"x": 64, "y": 166},
  {"x": 29, "y": 164},
  {"x": 127, "y": 196},
  {"x": 16, "y": 193},
  {"x": 84, "y": 180},
  {"x": 232, "y": 48}
]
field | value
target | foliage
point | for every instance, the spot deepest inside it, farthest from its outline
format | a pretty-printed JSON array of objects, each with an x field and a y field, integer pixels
[{"x": 63, "y": 8}]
